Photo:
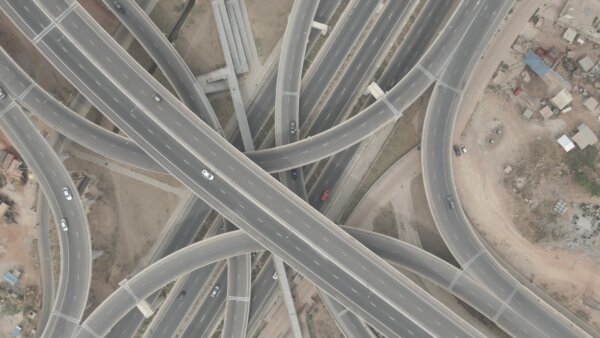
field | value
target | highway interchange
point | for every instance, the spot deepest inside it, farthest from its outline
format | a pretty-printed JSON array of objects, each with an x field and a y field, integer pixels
[{"x": 166, "y": 135}]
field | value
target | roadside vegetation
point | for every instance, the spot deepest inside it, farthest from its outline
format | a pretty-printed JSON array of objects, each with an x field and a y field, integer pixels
[{"x": 582, "y": 164}]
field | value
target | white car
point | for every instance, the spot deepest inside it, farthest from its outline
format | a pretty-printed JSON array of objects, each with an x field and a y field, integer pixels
[
  {"x": 215, "y": 291},
  {"x": 207, "y": 175},
  {"x": 275, "y": 275},
  {"x": 63, "y": 225},
  {"x": 67, "y": 194},
  {"x": 2, "y": 93},
  {"x": 156, "y": 97}
]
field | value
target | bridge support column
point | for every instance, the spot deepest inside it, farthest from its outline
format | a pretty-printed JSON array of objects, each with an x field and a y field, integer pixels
[{"x": 375, "y": 90}]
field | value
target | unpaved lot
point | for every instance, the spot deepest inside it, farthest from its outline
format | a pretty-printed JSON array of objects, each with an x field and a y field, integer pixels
[
  {"x": 125, "y": 219},
  {"x": 268, "y": 19},
  {"x": 493, "y": 199},
  {"x": 513, "y": 210},
  {"x": 198, "y": 39}
]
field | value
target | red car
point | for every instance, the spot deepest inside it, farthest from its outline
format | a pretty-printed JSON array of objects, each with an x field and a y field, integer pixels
[{"x": 325, "y": 195}]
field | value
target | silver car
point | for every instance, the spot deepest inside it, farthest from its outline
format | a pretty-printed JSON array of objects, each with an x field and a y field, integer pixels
[
  {"x": 207, "y": 175},
  {"x": 63, "y": 225},
  {"x": 215, "y": 291},
  {"x": 157, "y": 98},
  {"x": 67, "y": 194}
]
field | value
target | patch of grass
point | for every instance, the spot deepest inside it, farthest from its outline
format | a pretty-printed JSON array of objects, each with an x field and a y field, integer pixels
[{"x": 583, "y": 167}]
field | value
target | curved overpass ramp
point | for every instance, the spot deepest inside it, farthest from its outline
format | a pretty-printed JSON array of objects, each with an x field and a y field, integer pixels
[
  {"x": 452, "y": 223},
  {"x": 75, "y": 244},
  {"x": 235, "y": 243},
  {"x": 69, "y": 123}
]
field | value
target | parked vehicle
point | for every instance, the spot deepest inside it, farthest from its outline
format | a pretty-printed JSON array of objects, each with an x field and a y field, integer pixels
[
  {"x": 463, "y": 148},
  {"x": 325, "y": 195},
  {"x": 457, "y": 150}
]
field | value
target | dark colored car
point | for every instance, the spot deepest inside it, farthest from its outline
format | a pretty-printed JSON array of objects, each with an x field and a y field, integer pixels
[
  {"x": 181, "y": 296},
  {"x": 457, "y": 150},
  {"x": 118, "y": 6},
  {"x": 450, "y": 201},
  {"x": 294, "y": 174}
]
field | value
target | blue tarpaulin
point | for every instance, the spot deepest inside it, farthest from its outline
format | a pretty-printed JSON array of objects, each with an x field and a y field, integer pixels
[
  {"x": 11, "y": 279},
  {"x": 536, "y": 64}
]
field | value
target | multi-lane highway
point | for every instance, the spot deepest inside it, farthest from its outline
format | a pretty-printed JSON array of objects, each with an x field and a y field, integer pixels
[
  {"x": 69, "y": 123},
  {"x": 176, "y": 145},
  {"x": 173, "y": 139},
  {"x": 106, "y": 59},
  {"x": 413, "y": 45},
  {"x": 75, "y": 243},
  {"x": 258, "y": 113},
  {"x": 380, "y": 113}
]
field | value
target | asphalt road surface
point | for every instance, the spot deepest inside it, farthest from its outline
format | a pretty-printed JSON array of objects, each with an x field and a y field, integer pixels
[
  {"x": 69, "y": 123},
  {"x": 53, "y": 42},
  {"x": 166, "y": 57},
  {"x": 75, "y": 244}
]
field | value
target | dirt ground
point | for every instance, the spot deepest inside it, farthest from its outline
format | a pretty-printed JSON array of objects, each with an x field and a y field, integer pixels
[
  {"x": 314, "y": 319},
  {"x": 268, "y": 20},
  {"x": 18, "y": 247},
  {"x": 198, "y": 39},
  {"x": 125, "y": 217},
  {"x": 515, "y": 212}
]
